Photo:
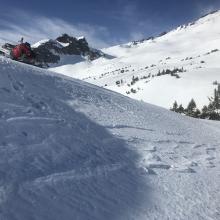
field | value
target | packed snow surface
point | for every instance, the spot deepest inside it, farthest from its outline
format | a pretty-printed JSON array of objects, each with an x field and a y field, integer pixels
[
  {"x": 71, "y": 150},
  {"x": 193, "y": 48}
]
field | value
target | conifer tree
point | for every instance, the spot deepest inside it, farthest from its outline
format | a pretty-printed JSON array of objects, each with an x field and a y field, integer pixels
[
  {"x": 175, "y": 107},
  {"x": 191, "y": 108},
  {"x": 180, "y": 109}
]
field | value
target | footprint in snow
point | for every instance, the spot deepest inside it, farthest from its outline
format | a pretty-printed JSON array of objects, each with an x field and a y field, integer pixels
[
  {"x": 151, "y": 148},
  {"x": 210, "y": 149},
  {"x": 210, "y": 158},
  {"x": 5, "y": 89},
  {"x": 198, "y": 146},
  {"x": 159, "y": 166},
  {"x": 18, "y": 86},
  {"x": 182, "y": 169}
]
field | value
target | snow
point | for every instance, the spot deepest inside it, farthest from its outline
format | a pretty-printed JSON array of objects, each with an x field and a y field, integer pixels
[
  {"x": 72, "y": 150},
  {"x": 66, "y": 60},
  {"x": 58, "y": 43},
  {"x": 63, "y": 44},
  {"x": 187, "y": 46},
  {"x": 81, "y": 38},
  {"x": 37, "y": 44}
]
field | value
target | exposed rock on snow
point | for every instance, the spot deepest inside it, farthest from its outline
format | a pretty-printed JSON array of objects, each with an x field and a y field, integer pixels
[{"x": 54, "y": 51}]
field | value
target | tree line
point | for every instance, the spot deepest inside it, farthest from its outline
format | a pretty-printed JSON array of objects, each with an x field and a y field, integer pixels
[{"x": 210, "y": 111}]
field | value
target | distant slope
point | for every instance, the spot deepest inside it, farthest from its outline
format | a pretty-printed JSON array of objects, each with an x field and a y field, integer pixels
[
  {"x": 193, "y": 48},
  {"x": 70, "y": 150}
]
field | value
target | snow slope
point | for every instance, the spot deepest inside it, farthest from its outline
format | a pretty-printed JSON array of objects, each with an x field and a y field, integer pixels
[
  {"x": 194, "y": 47},
  {"x": 71, "y": 150}
]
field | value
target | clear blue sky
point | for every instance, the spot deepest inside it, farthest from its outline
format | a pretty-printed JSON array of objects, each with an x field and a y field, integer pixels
[{"x": 104, "y": 22}]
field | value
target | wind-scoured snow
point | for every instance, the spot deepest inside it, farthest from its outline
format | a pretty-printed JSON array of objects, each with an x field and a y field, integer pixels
[
  {"x": 71, "y": 150},
  {"x": 194, "y": 48}
]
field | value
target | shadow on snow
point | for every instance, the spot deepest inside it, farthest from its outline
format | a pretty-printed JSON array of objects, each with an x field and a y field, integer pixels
[{"x": 57, "y": 163}]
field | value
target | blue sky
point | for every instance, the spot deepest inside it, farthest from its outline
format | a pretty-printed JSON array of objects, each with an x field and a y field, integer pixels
[{"x": 103, "y": 22}]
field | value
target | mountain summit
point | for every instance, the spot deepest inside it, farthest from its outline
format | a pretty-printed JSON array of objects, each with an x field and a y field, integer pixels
[{"x": 55, "y": 52}]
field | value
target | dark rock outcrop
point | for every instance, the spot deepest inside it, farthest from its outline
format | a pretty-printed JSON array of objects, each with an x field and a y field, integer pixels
[{"x": 50, "y": 51}]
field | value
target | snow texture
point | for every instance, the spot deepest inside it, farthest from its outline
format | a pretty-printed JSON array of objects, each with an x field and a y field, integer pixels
[{"x": 71, "y": 150}]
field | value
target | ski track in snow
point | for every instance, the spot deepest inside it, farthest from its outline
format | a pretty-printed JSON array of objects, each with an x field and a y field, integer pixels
[{"x": 72, "y": 150}]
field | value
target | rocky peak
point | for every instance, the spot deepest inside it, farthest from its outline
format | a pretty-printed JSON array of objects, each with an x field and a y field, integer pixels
[
  {"x": 51, "y": 50},
  {"x": 73, "y": 45}
]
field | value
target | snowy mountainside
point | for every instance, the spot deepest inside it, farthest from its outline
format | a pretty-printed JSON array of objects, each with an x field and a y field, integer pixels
[
  {"x": 69, "y": 149},
  {"x": 179, "y": 65}
]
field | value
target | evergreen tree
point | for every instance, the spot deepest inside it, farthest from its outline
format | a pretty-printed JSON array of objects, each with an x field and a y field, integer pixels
[
  {"x": 211, "y": 112},
  {"x": 214, "y": 105},
  {"x": 180, "y": 109},
  {"x": 191, "y": 108},
  {"x": 197, "y": 113},
  {"x": 217, "y": 99},
  {"x": 175, "y": 107},
  {"x": 205, "y": 112}
]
